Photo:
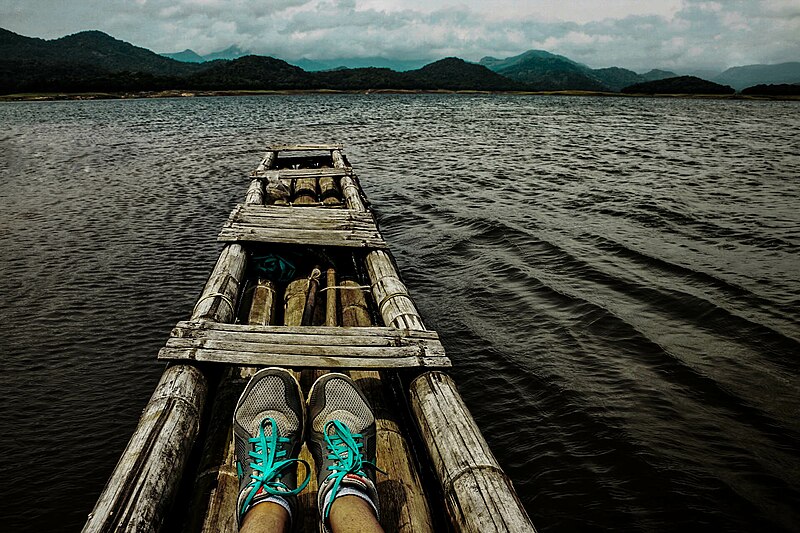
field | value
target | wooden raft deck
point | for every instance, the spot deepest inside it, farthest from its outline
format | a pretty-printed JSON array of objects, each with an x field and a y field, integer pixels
[{"x": 308, "y": 210}]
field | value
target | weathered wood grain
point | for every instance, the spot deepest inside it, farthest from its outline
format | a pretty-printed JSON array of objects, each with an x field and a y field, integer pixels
[
  {"x": 305, "y": 191},
  {"x": 314, "y": 226},
  {"x": 293, "y": 173},
  {"x": 329, "y": 191},
  {"x": 267, "y": 162},
  {"x": 348, "y": 239},
  {"x": 264, "y": 303},
  {"x": 255, "y": 193}
]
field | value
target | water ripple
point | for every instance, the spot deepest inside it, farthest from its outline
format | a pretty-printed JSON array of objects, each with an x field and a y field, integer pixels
[{"x": 615, "y": 280}]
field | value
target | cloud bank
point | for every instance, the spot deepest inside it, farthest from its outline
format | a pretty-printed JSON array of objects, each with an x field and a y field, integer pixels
[{"x": 636, "y": 34}]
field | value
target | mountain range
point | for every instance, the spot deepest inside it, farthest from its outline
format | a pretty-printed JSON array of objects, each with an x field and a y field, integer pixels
[
  {"x": 95, "y": 61},
  {"x": 190, "y": 56}
]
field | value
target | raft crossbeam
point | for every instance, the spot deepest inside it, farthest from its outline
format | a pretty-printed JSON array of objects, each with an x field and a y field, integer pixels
[{"x": 305, "y": 346}]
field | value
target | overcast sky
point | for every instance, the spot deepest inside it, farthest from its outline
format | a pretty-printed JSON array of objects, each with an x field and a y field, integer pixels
[{"x": 636, "y": 34}]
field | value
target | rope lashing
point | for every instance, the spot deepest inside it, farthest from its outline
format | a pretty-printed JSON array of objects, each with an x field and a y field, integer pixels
[
  {"x": 223, "y": 297},
  {"x": 358, "y": 287}
]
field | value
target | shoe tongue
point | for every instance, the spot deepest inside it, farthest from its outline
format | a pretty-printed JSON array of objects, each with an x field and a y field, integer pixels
[
  {"x": 281, "y": 421},
  {"x": 352, "y": 422}
]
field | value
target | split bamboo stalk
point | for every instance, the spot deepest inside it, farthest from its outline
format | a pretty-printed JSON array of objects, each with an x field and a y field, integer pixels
[
  {"x": 479, "y": 495},
  {"x": 216, "y": 487},
  {"x": 330, "y": 298},
  {"x": 267, "y": 161},
  {"x": 305, "y": 191},
  {"x": 404, "y": 507},
  {"x": 255, "y": 193},
  {"x": 311, "y": 297},
  {"x": 144, "y": 482},
  {"x": 472, "y": 503},
  {"x": 295, "y": 299},
  {"x": 329, "y": 191},
  {"x": 264, "y": 303}
]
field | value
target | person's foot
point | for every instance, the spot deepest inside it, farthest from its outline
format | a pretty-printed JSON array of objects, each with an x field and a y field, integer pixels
[
  {"x": 267, "y": 434},
  {"x": 342, "y": 441}
]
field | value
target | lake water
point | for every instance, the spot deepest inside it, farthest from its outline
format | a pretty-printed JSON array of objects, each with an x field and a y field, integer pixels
[{"x": 617, "y": 282}]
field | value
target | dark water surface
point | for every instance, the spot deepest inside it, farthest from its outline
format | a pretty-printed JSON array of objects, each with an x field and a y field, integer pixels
[{"x": 617, "y": 282}]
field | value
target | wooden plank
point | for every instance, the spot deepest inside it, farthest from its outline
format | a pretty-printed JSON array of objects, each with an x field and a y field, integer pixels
[
  {"x": 243, "y": 358},
  {"x": 309, "y": 224},
  {"x": 293, "y": 346},
  {"x": 306, "y": 331},
  {"x": 303, "y": 147},
  {"x": 311, "y": 212},
  {"x": 302, "y": 340},
  {"x": 421, "y": 348},
  {"x": 297, "y": 173},
  {"x": 305, "y": 238}
]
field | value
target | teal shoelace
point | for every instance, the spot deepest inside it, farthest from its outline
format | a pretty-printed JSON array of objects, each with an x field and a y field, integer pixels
[
  {"x": 269, "y": 454},
  {"x": 345, "y": 448}
]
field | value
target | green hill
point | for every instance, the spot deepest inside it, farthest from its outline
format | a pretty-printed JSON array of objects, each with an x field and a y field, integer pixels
[
  {"x": 656, "y": 74},
  {"x": 679, "y": 85},
  {"x": 781, "y": 89},
  {"x": 543, "y": 71},
  {"x": 251, "y": 72},
  {"x": 93, "y": 48},
  {"x": 615, "y": 78},
  {"x": 456, "y": 74}
]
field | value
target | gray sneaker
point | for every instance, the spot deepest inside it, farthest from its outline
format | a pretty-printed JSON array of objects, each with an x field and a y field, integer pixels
[
  {"x": 267, "y": 435},
  {"x": 342, "y": 441}
]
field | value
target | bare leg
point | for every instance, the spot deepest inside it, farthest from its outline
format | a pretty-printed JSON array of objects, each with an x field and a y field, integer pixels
[
  {"x": 265, "y": 517},
  {"x": 351, "y": 514}
]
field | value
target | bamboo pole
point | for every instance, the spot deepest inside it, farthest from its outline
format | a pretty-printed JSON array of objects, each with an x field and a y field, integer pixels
[
  {"x": 255, "y": 193},
  {"x": 329, "y": 191},
  {"x": 479, "y": 495},
  {"x": 264, "y": 303},
  {"x": 404, "y": 507},
  {"x": 144, "y": 482},
  {"x": 295, "y": 300},
  {"x": 331, "y": 318},
  {"x": 305, "y": 191},
  {"x": 268, "y": 161},
  {"x": 475, "y": 487}
]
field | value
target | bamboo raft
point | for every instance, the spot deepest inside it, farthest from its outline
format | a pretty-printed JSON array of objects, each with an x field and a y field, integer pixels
[{"x": 305, "y": 212}]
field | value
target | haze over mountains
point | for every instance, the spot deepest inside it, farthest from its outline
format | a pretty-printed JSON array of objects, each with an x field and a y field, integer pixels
[{"x": 95, "y": 61}]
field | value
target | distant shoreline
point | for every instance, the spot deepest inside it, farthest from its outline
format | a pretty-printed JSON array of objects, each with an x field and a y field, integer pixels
[{"x": 47, "y": 97}]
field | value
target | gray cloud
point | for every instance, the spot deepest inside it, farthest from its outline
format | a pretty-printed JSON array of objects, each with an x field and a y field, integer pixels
[{"x": 671, "y": 34}]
